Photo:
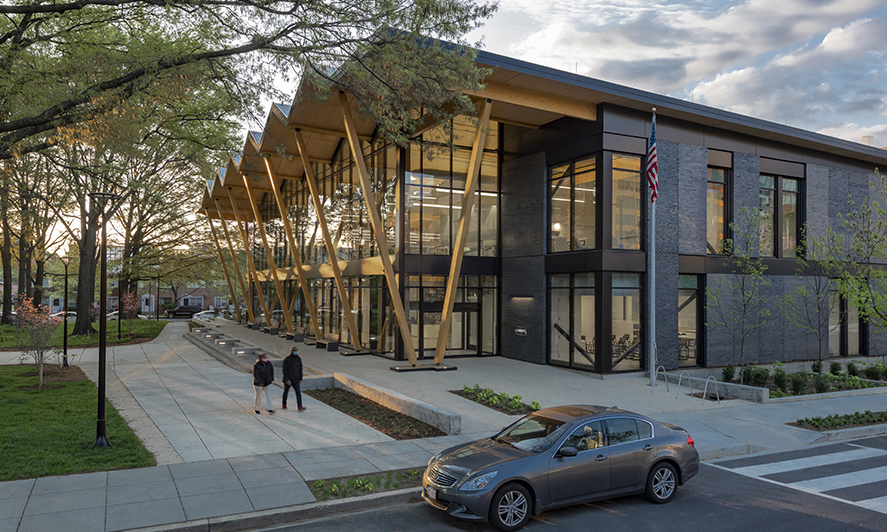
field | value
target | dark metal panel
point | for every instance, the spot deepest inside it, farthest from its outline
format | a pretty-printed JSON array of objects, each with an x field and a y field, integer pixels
[
  {"x": 597, "y": 260},
  {"x": 783, "y": 168},
  {"x": 723, "y": 159}
]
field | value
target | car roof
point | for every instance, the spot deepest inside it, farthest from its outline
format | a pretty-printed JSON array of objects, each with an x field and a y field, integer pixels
[{"x": 568, "y": 413}]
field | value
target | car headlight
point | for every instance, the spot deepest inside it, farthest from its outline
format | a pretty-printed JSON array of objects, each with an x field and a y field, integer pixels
[{"x": 478, "y": 483}]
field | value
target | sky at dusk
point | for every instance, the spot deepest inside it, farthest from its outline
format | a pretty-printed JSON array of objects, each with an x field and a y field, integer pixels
[{"x": 819, "y": 65}]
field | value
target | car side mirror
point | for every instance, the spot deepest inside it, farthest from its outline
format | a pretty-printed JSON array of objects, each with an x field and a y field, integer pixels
[{"x": 567, "y": 451}]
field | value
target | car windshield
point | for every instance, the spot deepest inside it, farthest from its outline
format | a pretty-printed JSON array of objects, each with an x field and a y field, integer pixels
[{"x": 533, "y": 433}]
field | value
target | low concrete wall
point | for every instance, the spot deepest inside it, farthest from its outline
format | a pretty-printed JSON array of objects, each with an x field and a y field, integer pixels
[
  {"x": 733, "y": 391},
  {"x": 447, "y": 421}
]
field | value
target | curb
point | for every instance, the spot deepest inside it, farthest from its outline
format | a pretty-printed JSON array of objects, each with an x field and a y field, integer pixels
[
  {"x": 287, "y": 515},
  {"x": 849, "y": 434}
]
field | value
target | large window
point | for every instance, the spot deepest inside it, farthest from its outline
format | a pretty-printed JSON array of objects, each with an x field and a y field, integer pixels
[
  {"x": 626, "y": 316},
  {"x": 716, "y": 210},
  {"x": 572, "y": 196},
  {"x": 572, "y": 332},
  {"x": 626, "y": 201},
  {"x": 689, "y": 306},
  {"x": 779, "y": 226}
]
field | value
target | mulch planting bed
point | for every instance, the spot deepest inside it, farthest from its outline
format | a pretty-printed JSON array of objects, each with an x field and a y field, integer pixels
[{"x": 398, "y": 426}]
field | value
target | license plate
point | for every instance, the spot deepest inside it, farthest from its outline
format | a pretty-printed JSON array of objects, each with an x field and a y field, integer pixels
[{"x": 431, "y": 493}]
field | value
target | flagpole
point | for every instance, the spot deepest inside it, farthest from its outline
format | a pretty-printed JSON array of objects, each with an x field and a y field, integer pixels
[{"x": 652, "y": 277}]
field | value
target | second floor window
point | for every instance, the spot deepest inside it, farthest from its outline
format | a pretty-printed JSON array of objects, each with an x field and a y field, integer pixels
[
  {"x": 572, "y": 196},
  {"x": 779, "y": 216},
  {"x": 716, "y": 210}
]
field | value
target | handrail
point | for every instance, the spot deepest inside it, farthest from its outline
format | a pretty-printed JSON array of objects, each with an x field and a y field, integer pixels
[
  {"x": 705, "y": 391},
  {"x": 689, "y": 381},
  {"x": 664, "y": 376}
]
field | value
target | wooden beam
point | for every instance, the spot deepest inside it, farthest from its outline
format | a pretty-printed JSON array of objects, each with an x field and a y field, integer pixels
[
  {"x": 276, "y": 155},
  {"x": 330, "y": 250},
  {"x": 249, "y": 308},
  {"x": 477, "y": 152},
  {"x": 276, "y": 278},
  {"x": 537, "y": 100},
  {"x": 327, "y": 132},
  {"x": 251, "y": 264},
  {"x": 224, "y": 266},
  {"x": 294, "y": 249},
  {"x": 378, "y": 229}
]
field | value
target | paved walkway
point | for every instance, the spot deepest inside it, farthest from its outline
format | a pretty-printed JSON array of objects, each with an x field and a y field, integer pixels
[{"x": 216, "y": 458}]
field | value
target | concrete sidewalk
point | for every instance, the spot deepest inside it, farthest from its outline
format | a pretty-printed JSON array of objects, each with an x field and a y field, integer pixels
[{"x": 220, "y": 466}]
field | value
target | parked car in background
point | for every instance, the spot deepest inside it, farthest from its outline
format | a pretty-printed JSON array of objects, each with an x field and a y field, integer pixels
[
  {"x": 61, "y": 315},
  {"x": 113, "y": 316},
  {"x": 205, "y": 315},
  {"x": 183, "y": 311},
  {"x": 558, "y": 457}
]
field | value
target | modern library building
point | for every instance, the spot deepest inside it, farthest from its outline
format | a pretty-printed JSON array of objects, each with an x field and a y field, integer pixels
[{"x": 523, "y": 234}]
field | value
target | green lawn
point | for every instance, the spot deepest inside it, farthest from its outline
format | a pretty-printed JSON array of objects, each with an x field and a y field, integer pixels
[
  {"x": 9, "y": 339},
  {"x": 51, "y": 431}
]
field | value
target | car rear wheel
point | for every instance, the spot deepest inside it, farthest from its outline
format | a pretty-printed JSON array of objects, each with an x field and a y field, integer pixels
[
  {"x": 510, "y": 508},
  {"x": 662, "y": 483}
]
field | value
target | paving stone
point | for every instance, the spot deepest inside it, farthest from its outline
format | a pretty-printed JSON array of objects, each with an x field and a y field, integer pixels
[
  {"x": 66, "y": 501},
  {"x": 144, "y": 513},
  {"x": 85, "y": 520},
  {"x": 70, "y": 483},
  {"x": 216, "y": 504}
]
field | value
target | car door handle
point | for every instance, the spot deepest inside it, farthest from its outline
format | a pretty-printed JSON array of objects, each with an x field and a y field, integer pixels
[
  {"x": 600, "y": 458},
  {"x": 648, "y": 447}
]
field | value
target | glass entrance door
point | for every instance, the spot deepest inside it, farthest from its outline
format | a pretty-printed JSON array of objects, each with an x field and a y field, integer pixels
[{"x": 464, "y": 329}]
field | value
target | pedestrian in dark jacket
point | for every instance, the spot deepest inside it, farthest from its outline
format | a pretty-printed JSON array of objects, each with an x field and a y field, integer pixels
[
  {"x": 263, "y": 376},
  {"x": 292, "y": 376}
]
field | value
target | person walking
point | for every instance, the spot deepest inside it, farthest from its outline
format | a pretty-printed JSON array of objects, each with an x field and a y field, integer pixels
[
  {"x": 263, "y": 376},
  {"x": 292, "y": 377}
]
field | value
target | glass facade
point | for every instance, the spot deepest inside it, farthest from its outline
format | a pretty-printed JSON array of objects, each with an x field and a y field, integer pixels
[
  {"x": 626, "y": 322},
  {"x": 779, "y": 228},
  {"x": 572, "y": 320},
  {"x": 626, "y": 201},
  {"x": 573, "y": 200},
  {"x": 689, "y": 305}
]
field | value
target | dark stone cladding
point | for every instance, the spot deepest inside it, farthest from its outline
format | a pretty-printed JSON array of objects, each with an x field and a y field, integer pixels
[{"x": 523, "y": 282}]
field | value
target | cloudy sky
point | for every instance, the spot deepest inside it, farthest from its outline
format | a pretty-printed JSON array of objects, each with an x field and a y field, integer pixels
[{"x": 819, "y": 65}]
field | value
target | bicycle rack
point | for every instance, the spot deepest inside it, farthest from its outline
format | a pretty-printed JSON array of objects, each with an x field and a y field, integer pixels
[
  {"x": 714, "y": 380},
  {"x": 689, "y": 381},
  {"x": 656, "y": 376}
]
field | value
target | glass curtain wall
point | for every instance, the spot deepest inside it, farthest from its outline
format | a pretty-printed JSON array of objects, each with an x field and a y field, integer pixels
[
  {"x": 716, "y": 210},
  {"x": 626, "y": 201},
  {"x": 689, "y": 305},
  {"x": 435, "y": 188},
  {"x": 573, "y": 200},
  {"x": 626, "y": 322}
]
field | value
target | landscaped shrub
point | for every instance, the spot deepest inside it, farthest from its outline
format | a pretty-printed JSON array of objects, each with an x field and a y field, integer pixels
[
  {"x": 728, "y": 373},
  {"x": 816, "y": 366},
  {"x": 834, "y": 368},
  {"x": 747, "y": 374},
  {"x": 872, "y": 371},
  {"x": 780, "y": 379},
  {"x": 798, "y": 381},
  {"x": 759, "y": 376},
  {"x": 821, "y": 383},
  {"x": 852, "y": 370}
]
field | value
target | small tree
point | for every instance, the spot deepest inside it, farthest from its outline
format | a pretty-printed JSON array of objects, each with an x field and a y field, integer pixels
[
  {"x": 810, "y": 305},
  {"x": 129, "y": 308},
  {"x": 39, "y": 326},
  {"x": 735, "y": 302},
  {"x": 861, "y": 261}
]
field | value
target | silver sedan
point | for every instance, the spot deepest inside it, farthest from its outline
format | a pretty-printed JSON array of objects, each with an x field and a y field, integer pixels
[{"x": 559, "y": 457}]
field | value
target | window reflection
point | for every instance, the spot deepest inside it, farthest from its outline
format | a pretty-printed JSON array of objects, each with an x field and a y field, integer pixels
[{"x": 626, "y": 201}]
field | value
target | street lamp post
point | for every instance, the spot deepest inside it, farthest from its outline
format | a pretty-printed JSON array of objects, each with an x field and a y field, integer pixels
[
  {"x": 101, "y": 439},
  {"x": 66, "y": 261},
  {"x": 119, "y": 299},
  {"x": 157, "y": 302}
]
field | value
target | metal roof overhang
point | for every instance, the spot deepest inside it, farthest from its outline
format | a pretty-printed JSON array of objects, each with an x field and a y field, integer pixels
[{"x": 523, "y": 94}]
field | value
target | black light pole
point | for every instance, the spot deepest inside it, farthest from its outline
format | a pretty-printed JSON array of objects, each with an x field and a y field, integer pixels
[
  {"x": 157, "y": 303},
  {"x": 101, "y": 438},
  {"x": 65, "y": 260},
  {"x": 119, "y": 299}
]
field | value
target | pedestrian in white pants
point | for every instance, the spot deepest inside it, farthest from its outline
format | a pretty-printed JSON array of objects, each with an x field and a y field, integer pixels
[{"x": 263, "y": 376}]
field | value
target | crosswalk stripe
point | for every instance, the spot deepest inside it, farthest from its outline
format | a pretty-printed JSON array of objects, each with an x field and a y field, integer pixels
[
  {"x": 878, "y": 504},
  {"x": 845, "y": 480},
  {"x": 803, "y": 463}
]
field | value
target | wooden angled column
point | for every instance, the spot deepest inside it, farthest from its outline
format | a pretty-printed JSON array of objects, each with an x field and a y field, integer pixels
[
  {"x": 378, "y": 229},
  {"x": 294, "y": 250},
  {"x": 222, "y": 260},
  {"x": 330, "y": 250},
  {"x": 249, "y": 260},
  {"x": 477, "y": 152},
  {"x": 246, "y": 302},
  {"x": 272, "y": 266}
]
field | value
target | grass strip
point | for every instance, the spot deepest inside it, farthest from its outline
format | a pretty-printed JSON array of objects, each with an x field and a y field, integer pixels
[
  {"x": 142, "y": 330},
  {"x": 344, "y": 487},
  {"x": 51, "y": 431}
]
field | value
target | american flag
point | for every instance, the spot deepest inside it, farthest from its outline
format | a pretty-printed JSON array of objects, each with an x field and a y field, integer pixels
[{"x": 653, "y": 165}]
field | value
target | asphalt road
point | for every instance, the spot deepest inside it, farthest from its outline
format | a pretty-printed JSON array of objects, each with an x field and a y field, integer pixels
[{"x": 757, "y": 493}]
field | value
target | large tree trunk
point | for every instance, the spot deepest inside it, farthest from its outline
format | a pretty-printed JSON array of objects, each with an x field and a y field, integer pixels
[
  {"x": 6, "y": 254},
  {"x": 24, "y": 259},
  {"x": 86, "y": 275},
  {"x": 38, "y": 282}
]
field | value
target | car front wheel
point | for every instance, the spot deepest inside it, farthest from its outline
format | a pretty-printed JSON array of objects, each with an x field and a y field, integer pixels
[
  {"x": 510, "y": 508},
  {"x": 662, "y": 483}
]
